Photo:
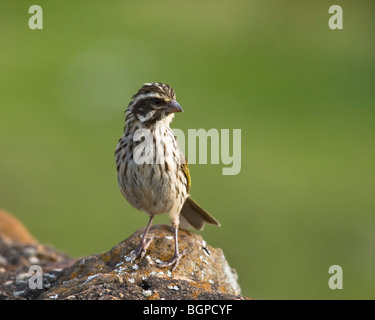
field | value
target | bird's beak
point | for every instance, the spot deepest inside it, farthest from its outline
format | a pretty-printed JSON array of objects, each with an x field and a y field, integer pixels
[{"x": 173, "y": 107}]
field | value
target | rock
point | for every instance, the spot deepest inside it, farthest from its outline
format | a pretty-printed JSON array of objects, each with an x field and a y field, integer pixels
[
  {"x": 203, "y": 273},
  {"x": 15, "y": 261},
  {"x": 12, "y": 228}
]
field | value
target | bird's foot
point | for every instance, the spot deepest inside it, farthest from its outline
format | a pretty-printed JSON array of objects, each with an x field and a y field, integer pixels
[
  {"x": 140, "y": 251},
  {"x": 173, "y": 262}
]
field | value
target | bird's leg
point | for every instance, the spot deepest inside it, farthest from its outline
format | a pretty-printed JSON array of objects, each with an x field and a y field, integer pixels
[
  {"x": 141, "y": 249},
  {"x": 176, "y": 256}
]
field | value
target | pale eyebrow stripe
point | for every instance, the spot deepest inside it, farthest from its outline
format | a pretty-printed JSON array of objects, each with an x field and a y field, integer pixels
[{"x": 147, "y": 95}]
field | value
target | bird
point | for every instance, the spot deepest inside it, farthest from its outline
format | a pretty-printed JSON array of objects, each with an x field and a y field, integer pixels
[{"x": 152, "y": 172}]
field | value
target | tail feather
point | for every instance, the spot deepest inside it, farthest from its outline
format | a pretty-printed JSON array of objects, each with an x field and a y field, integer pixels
[{"x": 195, "y": 215}]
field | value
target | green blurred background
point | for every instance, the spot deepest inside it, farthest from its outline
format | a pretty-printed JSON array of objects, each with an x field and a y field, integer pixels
[{"x": 302, "y": 94}]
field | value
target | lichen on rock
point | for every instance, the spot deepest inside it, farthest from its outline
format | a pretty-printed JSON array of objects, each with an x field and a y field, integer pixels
[{"x": 203, "y": 272}]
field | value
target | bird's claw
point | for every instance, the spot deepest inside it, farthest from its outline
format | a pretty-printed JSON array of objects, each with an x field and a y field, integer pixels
[
  {"x": 140, "y": 251},
  {"x": 173, "y": 261}
]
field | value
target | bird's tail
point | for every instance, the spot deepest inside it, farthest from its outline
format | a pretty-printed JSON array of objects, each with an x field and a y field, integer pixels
[{"x": 193, "y": 215}]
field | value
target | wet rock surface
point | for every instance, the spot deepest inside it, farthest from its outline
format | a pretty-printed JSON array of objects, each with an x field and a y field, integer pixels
[{"x": 203, "y": 272}]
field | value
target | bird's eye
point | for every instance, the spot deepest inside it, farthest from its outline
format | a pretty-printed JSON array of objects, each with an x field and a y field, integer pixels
[{"x": 156, "y": 101}]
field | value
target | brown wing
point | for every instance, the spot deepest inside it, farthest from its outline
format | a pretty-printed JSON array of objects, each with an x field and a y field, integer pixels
[{"x": 185, "y": 169}]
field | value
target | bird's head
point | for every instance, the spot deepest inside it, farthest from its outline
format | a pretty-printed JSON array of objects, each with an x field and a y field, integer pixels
[{"x": 152, "y": 103}]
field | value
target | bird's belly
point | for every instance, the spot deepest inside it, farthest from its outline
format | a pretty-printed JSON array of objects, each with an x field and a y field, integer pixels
[
  {"x": 157, "y": 187},
  {"x": 151, "y": 188}
]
